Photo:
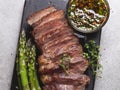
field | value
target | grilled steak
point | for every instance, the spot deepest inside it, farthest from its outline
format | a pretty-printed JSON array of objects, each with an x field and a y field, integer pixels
[
  {"x": 61, "y": 37},
  {"x": 52, "y": 16},
  {"x": 50, "y": 25},
  {"x": 49, "y": 66},
  {"x": 63, "y": 87},
  {"x": 61, "y": 64},
  {"x": 63, "y": 78},
  {"x": 59, "y": 49},
  {"x": 39, "y": 14},
  {"x": 47, "y": 37}
]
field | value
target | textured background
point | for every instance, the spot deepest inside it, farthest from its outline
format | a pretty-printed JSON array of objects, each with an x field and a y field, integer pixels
[{"x": 10, "y": 19}]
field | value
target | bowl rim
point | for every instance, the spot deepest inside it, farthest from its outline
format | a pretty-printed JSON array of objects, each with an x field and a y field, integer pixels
[{"x": 91, "y": 31}]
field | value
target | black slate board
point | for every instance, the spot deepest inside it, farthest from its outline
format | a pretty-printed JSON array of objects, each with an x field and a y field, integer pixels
[{"x": 34, "y": 5}]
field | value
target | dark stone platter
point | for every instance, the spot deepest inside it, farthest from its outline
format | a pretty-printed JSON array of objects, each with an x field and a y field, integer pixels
[{"x": 34, "y": 5}]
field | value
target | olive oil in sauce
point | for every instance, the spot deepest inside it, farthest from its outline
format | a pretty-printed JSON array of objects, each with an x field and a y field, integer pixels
[{"x": 87, "y": 15}]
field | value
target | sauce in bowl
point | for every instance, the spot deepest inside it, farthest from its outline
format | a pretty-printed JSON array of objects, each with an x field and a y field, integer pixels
[{"x": 87, "y": 15}]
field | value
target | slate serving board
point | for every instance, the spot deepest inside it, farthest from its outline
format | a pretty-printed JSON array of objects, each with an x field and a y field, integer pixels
[{"x": 32, "y": 6}]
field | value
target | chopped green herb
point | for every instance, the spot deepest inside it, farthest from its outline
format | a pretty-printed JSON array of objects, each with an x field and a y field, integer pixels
[
  {"x": 65, "y": 62},
  {"x": 91, "y": 52}
]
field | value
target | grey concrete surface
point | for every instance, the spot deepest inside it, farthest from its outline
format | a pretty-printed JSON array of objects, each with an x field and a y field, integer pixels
[{"x": 10, "y": 19}]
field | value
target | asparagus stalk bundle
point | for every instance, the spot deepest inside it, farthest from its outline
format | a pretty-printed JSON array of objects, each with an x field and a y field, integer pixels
[{"x": 26, "y": 71}]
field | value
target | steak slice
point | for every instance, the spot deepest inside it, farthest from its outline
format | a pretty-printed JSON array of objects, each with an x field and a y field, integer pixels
[
  {"x": 58, "y": 87},
  {"x": 49, "y": 66},
  {"x": 39, "y": 14},
  {"x": 59, "y": 14},
  {"x": 72, "y": 51},
  {"x": 59, "y": 38},
  {"x": 52, "y": 67},
  {"x": 63, "y": 78},
  {"x": 63, "y": 87},
  {"x": 48, "y": 26},
  {"x": 60, "y": 48},
  {"x": 47, "y": 38}
]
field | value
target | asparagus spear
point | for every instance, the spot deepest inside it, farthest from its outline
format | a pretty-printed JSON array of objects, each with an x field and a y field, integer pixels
[
  {"x": 34, "y": 85},
  {"x": 30, "y": 66},
  {"x": 36, "y": 81},
  {"x": 22, "y": 62},
  {"x": 17, "y": 68}
]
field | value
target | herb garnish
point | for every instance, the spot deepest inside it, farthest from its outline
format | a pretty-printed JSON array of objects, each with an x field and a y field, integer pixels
[
  {"x": 91, "y": 52},
  {"x": 65, "y": 62}
]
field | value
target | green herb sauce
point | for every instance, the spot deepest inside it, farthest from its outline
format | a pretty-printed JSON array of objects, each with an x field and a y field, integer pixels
[{"x": 87, "y": 14}]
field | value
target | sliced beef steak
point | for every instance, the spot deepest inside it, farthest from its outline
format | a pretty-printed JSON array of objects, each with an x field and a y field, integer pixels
[
  {"x": 61, "y": 35},
  {"x": 49, "y": 26},
  {"x": 52, "y": 16},
  {"x": 63, "y": 87},
  {"x": 69, "y": 78},
  {"x": 61, "y": 64},
  {"x": 52, "y": 36},
  {"x": 75, "y": 61},
  {"x": 39, "y": 14},
  {"x": 59, "y": 49}
]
